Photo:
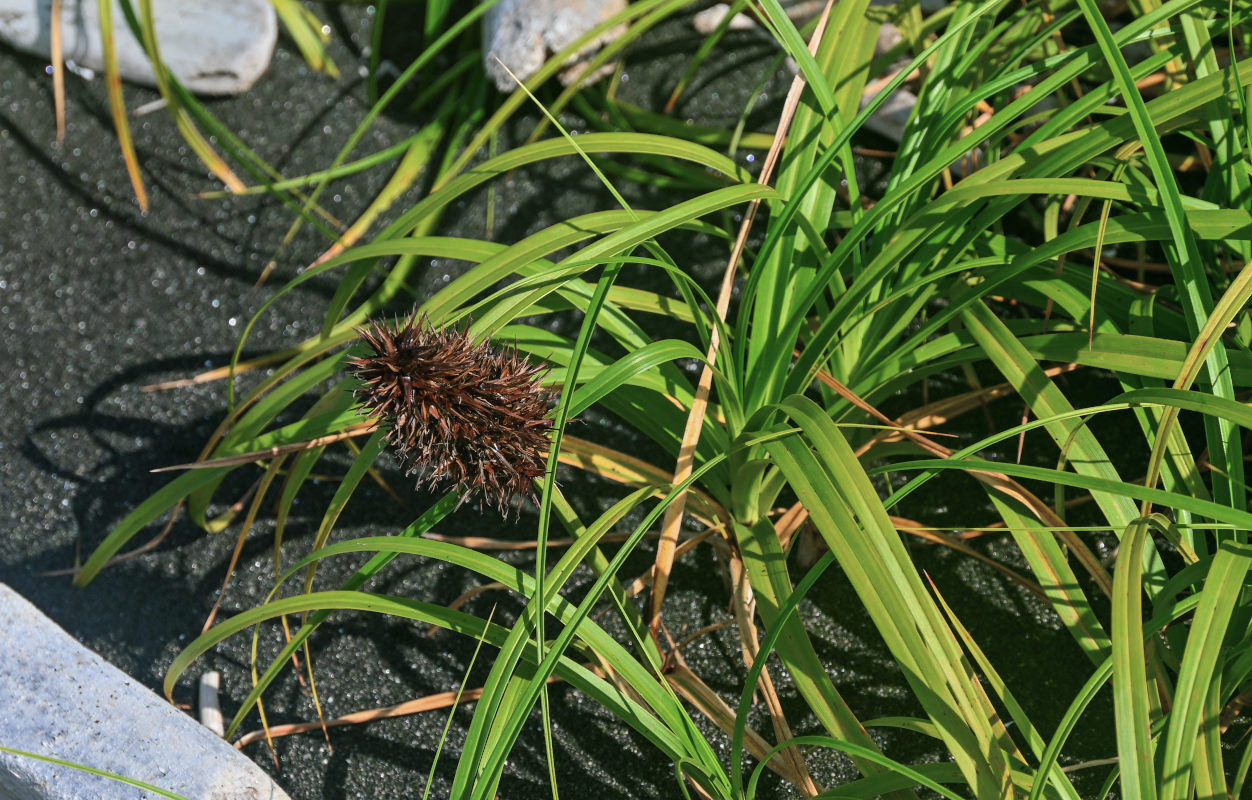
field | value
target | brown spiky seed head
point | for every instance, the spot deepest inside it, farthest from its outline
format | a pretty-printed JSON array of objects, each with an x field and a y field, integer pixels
[{"x": 473, "y": 417}]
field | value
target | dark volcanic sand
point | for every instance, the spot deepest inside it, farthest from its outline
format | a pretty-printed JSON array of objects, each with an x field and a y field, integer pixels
[{"x": 98, "y": 300}]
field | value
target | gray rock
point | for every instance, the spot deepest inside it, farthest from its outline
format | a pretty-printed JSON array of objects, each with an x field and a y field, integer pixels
[
  {"x": 523, "y": 34},
  {"x": 891, "y": 117},
  {"x": 217, "y": 47},
  {"x": 59, "y": 699}
]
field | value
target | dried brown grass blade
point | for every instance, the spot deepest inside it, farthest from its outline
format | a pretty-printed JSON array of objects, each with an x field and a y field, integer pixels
[
  {"x": 645, "y": 580},
  {"x": 222, "y": 373},
  {"x": 317, "y": 701},
  {"x": 711, "y": 704},
  {"x": 943, "y": 411},
  {"x": 272, "y": 452},
  {"x": 944, "y": 540},
  {"x": 789, "y": 522},
  {"x": 429, "y": 703},
  {"x": 488, "y": 543},
  {"x": 146, "y": 547},
  {"x": 465, "y": 597}
]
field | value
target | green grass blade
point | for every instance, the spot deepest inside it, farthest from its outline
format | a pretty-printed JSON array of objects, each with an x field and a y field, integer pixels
[
  {"x": 829, "y": 480},
  {"x": 1185, "y": 263},
  {"x": 856, "y": 751},
  {"x": 1051, "y": 567},
  {"x": 1131, "y": 701},
  {"x": 147, "y": 787},
  {"x": 163, "y": 500},
  {"x": 1047, "y": 401},
  {"x": 1199, "y": 672}
]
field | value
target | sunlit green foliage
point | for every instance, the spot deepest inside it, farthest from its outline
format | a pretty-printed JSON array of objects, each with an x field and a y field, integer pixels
[{"x": 1070, "y": 163}]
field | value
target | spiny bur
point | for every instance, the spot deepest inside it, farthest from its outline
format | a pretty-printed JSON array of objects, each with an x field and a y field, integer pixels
[{"x": 473, "y": 417}]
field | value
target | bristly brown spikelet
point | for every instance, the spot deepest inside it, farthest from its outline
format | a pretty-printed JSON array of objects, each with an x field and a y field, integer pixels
[{"x": 474, "y": 417}]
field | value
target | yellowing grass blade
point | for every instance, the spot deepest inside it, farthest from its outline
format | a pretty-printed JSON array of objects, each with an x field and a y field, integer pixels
[
  {"x": 186, "y": 126},
  {"x": 117, "y": 104},
  {"x": 306, "y": 31}
]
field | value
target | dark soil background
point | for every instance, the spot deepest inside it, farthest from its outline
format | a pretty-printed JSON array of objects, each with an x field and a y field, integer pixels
[{"x": 98, "y": 300}]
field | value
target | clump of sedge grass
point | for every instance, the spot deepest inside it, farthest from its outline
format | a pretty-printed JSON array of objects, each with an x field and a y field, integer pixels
[{"x": 475, "y": 418}]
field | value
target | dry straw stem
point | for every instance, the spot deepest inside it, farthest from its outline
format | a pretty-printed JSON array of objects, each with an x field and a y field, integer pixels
[
  {"x": 691, "y": 434},
  {"x": 429, "y": 703},
  {"x": 362, "y": 429},
  {"x": 58, "y": 68}
]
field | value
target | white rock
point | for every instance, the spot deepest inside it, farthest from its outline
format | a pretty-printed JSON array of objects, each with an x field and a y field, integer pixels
[
  {"x": 212, "y": 46},
  {"x": 523, "y": 34},
  {"x": 59, "y": 699},
  {"x": 706, "y": 21}
]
